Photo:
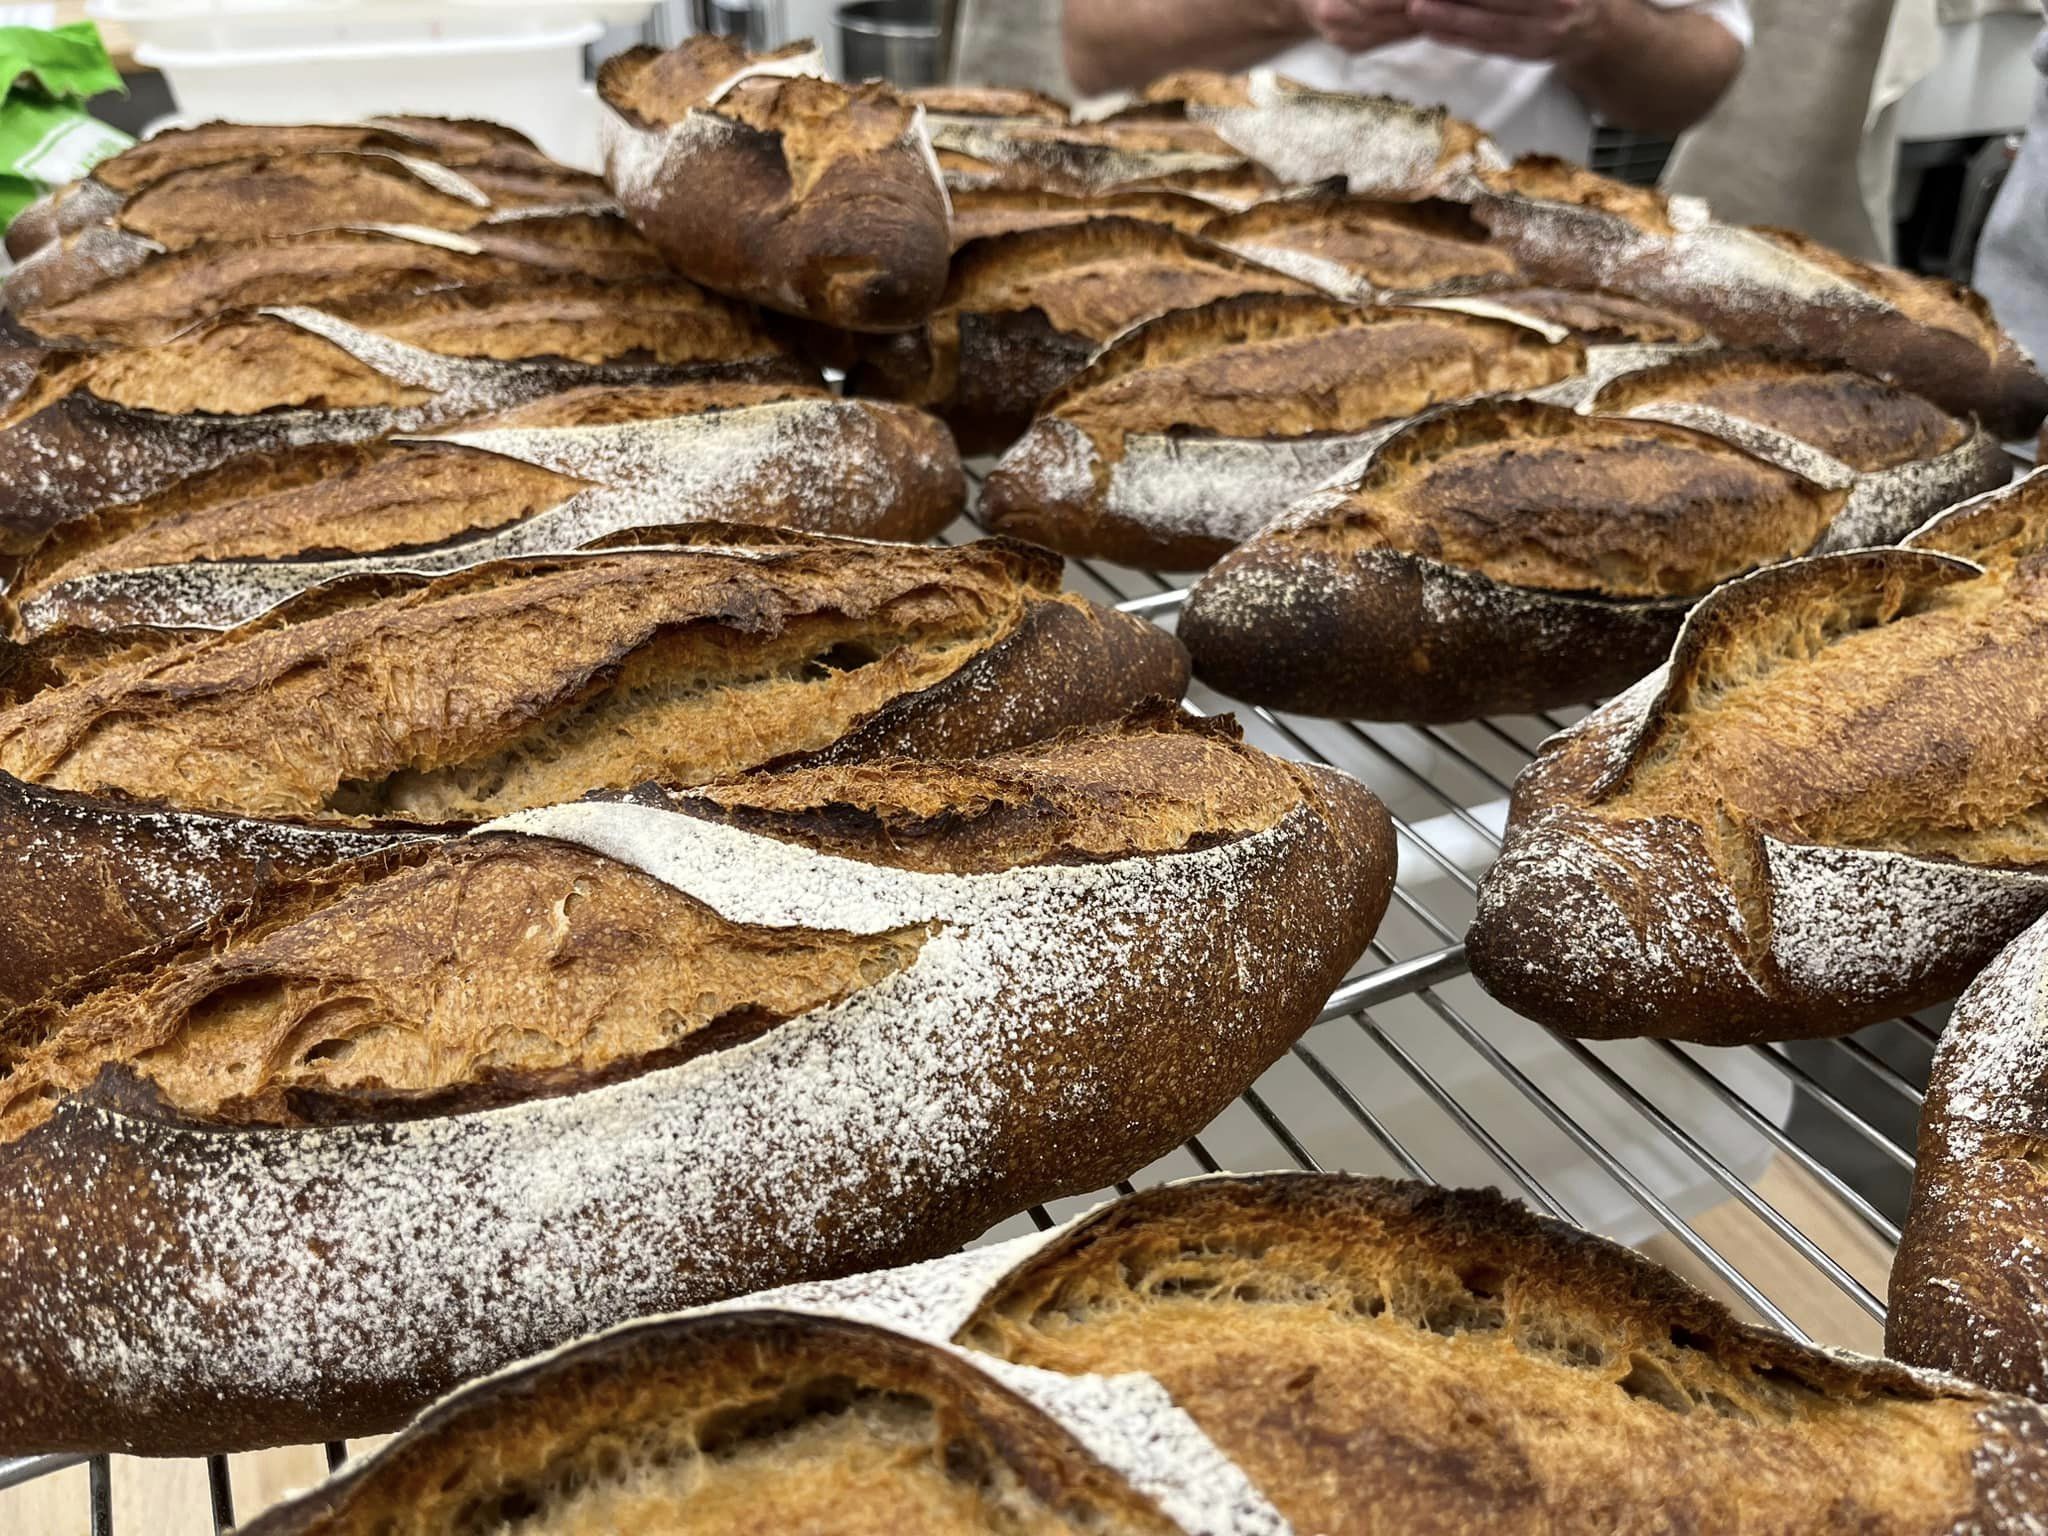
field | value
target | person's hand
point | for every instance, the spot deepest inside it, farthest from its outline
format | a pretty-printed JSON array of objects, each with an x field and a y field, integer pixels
[
  {"x": 1521, "y": 29},
  {"x": 1357, "y": 25}
]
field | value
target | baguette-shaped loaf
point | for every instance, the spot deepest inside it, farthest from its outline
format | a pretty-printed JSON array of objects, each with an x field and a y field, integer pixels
[
  {"x": 1818, "y": 815},
  {"x": 426, "y": 1112},
  {"x": 1765, "y": 288},
  {"x": 1366, "y": 249},
  {"x": 1969, "y": 1282},
  {"x": 1507, "y": 557},
  {"x": 1594, "y": 317},
  {"x": 1024, "y": 312},
  {"x": 1190, "y": 432},
  {"x": 403, "y": 701},
  {"x": 988, "y": 101},
  {"x": 1001, "y": 211},
  {"x": 761, "y": 179},
  {"x": 1254, "y": 1355},
  {"x": 1095, "y": 159},
  {"x": 544, "y": 477},
  {"x": 83, "y": 431}
]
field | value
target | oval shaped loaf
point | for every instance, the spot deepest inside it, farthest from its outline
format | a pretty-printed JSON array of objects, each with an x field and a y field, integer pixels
[
  {"x": 1190, "y": 432},
  {"x": 1248, "y": 1355},
  {"x": 760, "y": 179},
  {"x": 1023, "y": 312},
  {"x": 430, "y": 1110},
  {"x": 86, "y": 431},
  {"x": 214, "y": 550},
  {"x": 697, "y": 653},
  {"x": 1817, "y": 816},
  {"x": 981, "y": 214},
  {"x": 1117, "y": 155},
  {"x": 1506, "y": 557},
  {"x": 1767, "y": 288},
  {"x": 1366, "y": 249}
]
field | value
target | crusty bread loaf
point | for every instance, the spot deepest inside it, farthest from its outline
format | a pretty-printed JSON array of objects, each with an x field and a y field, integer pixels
[
  {"x": 1257, "y": 1355},
  {"x": 684, "y": 657},
  {"x": 465, "y": 1099},
  {"x": 1095, "y": 159},
  {"x": 1366, "y": 249},
  {"x": 758, "y": 178},
  {"x": 1765, "y": 287},
  {"x": 1594, "y": 317},
  {"x": 1968, "y": 1284},
  {"x": 1380, "y": 147},
  {"x": 988, "y": 101},
  {"x": 1023, "y": 312},
  {"x": 1820, "y": 814},
  {"x": 551, "y": 475},
  {"x": 978, "y": 214},
  {"x": 86, "y": 431},
  {"x": 1511, "y": 557},
  {"x": 1190, "y": 432}
]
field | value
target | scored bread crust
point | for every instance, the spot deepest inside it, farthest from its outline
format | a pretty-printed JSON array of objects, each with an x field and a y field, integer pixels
[
  {"x": 1968, "y": 1283},
  {"x": 1764, "y": 287},
  {"x": 1024, "y": 312},
  {"x": 152, "y": 869},
  {"x": 1366, "y": 249},
  {"x": 982, "y": 214},
  {"x": 978, "y": 154},
  {"x": 1609, "y": 923},
  {"x": 1072, "y": 1009},
  {"x": 1189, "y": 432},
  {"x": 758, "y": 178},
  {"x": 1531, "y": 1369},
  {"x": 1293, "y": 619},
  {"x": 90, "y": 431},
  {"x": 538, "y": 479}
]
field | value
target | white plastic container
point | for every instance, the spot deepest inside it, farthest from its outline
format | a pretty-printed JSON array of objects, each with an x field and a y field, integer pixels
[{"x": 518, "y": 62}]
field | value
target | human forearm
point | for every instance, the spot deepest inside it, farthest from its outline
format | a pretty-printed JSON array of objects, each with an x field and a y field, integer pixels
[
  {"x": 1118, "y": 44},
  {"x": 1651, "y": 70}
]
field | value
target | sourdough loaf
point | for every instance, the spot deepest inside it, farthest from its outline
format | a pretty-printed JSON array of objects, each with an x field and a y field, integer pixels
[
  {"x": 1190, "y": 432},
  {"x": 547, "y": 476},
  {"x": 1968, "y": 1284},
  {"x": 1248, "y": 1356},
  {"x": 978, "y": 214},
  {"x": 425, "y": 1112},
  {"x": 988, "y": 101},
  {"x": 1366, "y": 249},
  {"x": 1381, "y": 147},
  {"x": 1023, "y": 312},
  {"x": 1818, "y": 815},
  {"x": 404, "y": 700},
  {"x": 758, "y": 178},
  {"x": 1513, "y": 556},
  {"x": 83, "y": 431},
  {"x": 1095, "y": 159},
  {"x": 1765, "y": 287}
]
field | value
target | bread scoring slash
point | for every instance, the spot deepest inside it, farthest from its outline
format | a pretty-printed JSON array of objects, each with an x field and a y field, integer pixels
[{"x": 419, "y": 1114}]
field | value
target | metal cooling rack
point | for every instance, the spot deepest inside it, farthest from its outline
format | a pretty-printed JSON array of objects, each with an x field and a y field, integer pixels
[{"x": 1774, "y": 1176}]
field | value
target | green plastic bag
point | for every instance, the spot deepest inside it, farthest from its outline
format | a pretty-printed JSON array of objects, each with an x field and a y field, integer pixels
[{"x": 46, "y": 138}]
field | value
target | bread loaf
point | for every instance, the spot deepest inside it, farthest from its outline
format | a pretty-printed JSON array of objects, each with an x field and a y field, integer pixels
[
  {"x": 978, "y": 214},
  {"x": 466, "y": 1099},
  {"x": 1190, "y": 432},
  {"x": 1766, "y": 288},
  {"x": 758, "y": 178},
  {"x": 1367, "y": 250},
  {"x": 988, "y": 101},
  {"x": 1510, "y": 557},
  {"x": 415, "y": 702},
  {"x": 1968, "y": 1282},
  {"x": 551, "y": 475},
  {"x": 1095, "y": 159},
  {"x": 1023, "y": 312},
  {"x": 1594, "y": 317},
  {"x": 1381, "y": 147},
  {"x": 80, "y": 432},
  {"x": 1817, "y": 816},
  {"x": 1247, "y": 1355}
]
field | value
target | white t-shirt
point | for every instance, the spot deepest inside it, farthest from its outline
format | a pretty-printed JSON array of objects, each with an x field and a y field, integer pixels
[{"x": 1522, "y": 104}]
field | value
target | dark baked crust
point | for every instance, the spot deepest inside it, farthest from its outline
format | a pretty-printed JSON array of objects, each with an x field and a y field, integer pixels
[{"x": 824, "y": 205}]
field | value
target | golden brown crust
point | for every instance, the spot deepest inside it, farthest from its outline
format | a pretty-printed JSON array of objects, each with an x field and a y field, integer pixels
[
  {"x": 827, "y": 204},
  {"x": 982, "y": 213},
  {"x": 1413, "y": 248},
  {"x": 1596, "y": 317},
  {"x": 1391, "y": 1357}
]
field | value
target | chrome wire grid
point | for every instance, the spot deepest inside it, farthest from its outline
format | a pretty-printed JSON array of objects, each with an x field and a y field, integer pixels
[{"x": 1775, "y": 1176}]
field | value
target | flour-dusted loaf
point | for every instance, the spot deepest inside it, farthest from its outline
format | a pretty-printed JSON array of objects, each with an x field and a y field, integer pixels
[
  {"x": 1381, "y": 147},
  {"x": 1765, "y": 287},
  {"x": 551, "y": 475},
  {"x": 1247, "y": 1356},
  {"x": 759, "y": 178},
  {"x": 977, "y": 154},
  {"x": 135, "y": 790},
  {"x": 1367, "y": 249},
  {"x": 1004, "y": 211},
  {"x": 1969, "y": 1282},
  {"x": 1190, "y": 432},
  {"x": 84, "y": 431},
  {"x": 420, "y": 1114},
  {"x": 1023, "y": 312},
  {"x": 1818, "y": 815}
]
